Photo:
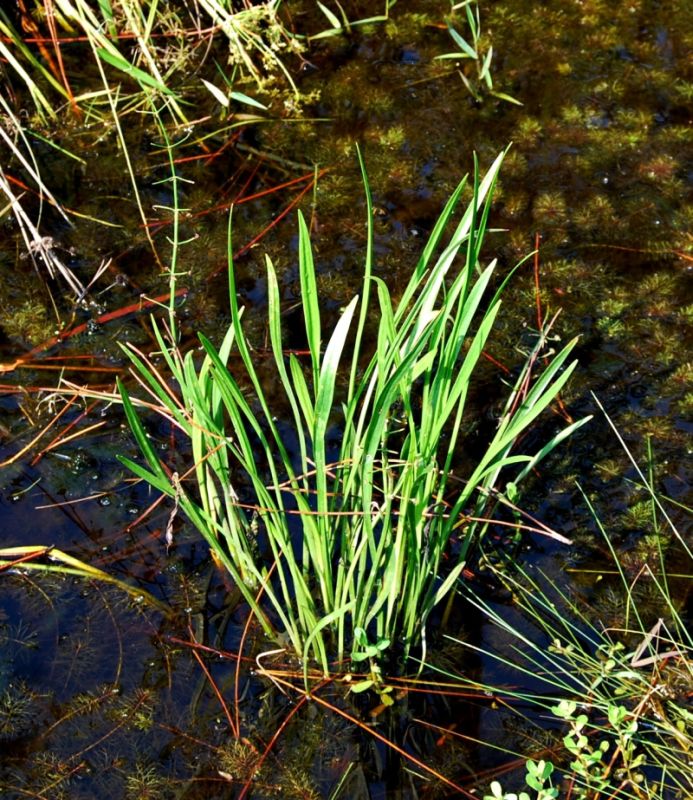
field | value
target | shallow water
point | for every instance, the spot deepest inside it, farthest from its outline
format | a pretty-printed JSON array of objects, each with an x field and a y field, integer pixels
[{"x": 99, "y": 696}]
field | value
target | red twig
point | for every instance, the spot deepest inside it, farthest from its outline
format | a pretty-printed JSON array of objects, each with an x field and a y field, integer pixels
[
  {"x": 217, "y": 692},
  {"x": 495, "y": 362},
  {"x": 140, "y": 305},
  {"x": 50, "y": 17},
  {"x": 26, "y": 557},
  {"x": 61, "y": 435}
]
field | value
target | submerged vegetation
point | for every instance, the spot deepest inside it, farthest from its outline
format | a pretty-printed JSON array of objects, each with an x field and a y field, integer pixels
[{"x": 345, "y": 411}]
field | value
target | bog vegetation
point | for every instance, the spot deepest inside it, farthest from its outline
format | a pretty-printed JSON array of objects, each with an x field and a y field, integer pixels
[
  {"x": 355, "y": 503},
  {"x": 342, "y": 487}
]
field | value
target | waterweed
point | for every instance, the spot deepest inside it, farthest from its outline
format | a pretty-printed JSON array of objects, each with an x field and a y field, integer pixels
[{"x": 339, "y": 549}]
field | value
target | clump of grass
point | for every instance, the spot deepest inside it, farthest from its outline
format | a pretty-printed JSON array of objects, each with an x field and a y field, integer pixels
[{"x": 338, "y": 543}]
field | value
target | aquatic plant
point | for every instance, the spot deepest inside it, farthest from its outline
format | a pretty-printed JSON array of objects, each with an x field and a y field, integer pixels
[
  {"x": 31, "y": 558},
  {"x": 156, "y": 47},
  {"x": 482, "y": 80},
  {"x": 619, "y": 687},
  {"x": 145, "y": 783},
  {"x": 345, "y": 532},
  {"x": 161, "y": 35},
  {"x": 627, "y": 728},
  {"x": 538, "y": 777},
  {"x": 18, "y": 710}
]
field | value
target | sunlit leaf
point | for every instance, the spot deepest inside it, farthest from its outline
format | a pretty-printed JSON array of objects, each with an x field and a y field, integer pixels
[{"x": 134, "y": 72}]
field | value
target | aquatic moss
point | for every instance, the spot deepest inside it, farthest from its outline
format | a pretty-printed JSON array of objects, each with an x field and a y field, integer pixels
[
  {"x": 145, "y": 782},
  {"x": 19, "y": 711},
  {"x": 29, "y": 322},
  {"x": 550, "y": 209}
]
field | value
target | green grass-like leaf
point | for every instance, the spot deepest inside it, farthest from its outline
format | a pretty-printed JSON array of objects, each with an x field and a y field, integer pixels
[
  {"x": 139, "y": 75},
  {"x": 365, "y": 560}
]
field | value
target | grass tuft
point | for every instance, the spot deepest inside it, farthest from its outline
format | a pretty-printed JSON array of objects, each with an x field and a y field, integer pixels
[{"x": 342, "y": 544}]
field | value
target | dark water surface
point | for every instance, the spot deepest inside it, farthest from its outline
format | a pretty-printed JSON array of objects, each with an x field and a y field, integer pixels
[{"x": 99, "y": 695}]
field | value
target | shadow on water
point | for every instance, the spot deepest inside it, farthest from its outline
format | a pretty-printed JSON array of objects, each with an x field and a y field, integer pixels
[{"x": 104, "y": 696}]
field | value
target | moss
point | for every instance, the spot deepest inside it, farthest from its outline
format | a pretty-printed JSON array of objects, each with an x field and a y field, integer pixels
[
  {"x": 50, "y": 775},
  {"x": 515, "y": 204},
  {"x": 608, "y": 469},
  {"x": 611, "y": 328},
  {"x": 18, "y": 711},
  {"x": 685, "y": 406},
  {"x": 391, "y": 138},
  {"x": 661, "y": 167},
  {"x": 573, "y": 115},
  {"x": 239, "y": 759},
  {"x": 145, "y": 783},
  {"x": 658, "y": 427},
  {"x": 550, "y": 209},
  {"x": 518, "y": 244},
  {"x": 595, "y": 217},
  {"x": 681, "y": 377},
  {"x": 409, "y": 25},
  {"x": 29, "y": 322},
  {"x": 515, "y": 165},
  {"x": 614, "y": 306},
  {"x": 297, "y": 784},
  {"x": 638, "y": 515},
  {"x": 528, "y": 132}
]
